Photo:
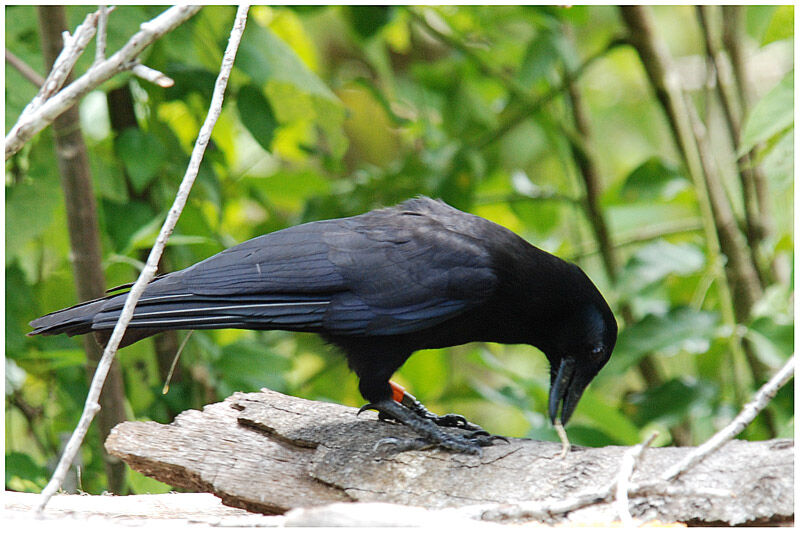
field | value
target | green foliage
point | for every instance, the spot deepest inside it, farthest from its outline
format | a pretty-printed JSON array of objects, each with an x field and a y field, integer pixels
[
  {"x": 335, "y": 110},
  {"x": 130, "y": 146},
  {"x": 653, "y": 179},
  {"x": 256, "y": 114},
  {"x": 770, "y": 116}
]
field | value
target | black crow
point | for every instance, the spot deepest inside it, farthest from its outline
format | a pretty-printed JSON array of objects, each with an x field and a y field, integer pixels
[{"x": 380, "y": 286}]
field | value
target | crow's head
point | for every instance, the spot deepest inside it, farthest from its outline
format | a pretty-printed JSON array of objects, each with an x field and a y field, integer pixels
[{"x": 585, "y": 342}]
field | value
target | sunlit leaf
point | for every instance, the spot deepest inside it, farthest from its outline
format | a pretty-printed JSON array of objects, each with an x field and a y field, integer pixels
[
  {"x": 781, "y": 26},
  {"x": 773, "y": 114},
  {"x": 265, "y": 57},
  {"x": 654, "y": 262},
  {"x": 21, "y": 467},
  {"x": 774, "y": 341}
]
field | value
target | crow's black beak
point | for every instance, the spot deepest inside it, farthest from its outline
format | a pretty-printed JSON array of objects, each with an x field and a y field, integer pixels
[{"x": 564, "y": 391}]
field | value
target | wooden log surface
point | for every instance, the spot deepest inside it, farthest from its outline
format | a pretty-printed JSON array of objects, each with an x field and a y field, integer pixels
[{"x": 270, "y": 453}]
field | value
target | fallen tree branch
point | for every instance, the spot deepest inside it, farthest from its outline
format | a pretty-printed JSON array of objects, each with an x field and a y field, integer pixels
[
  {"x": 46, "y": 107},
  {"x": 270, "y": 453},
  {"x": 148, "y": 273}
]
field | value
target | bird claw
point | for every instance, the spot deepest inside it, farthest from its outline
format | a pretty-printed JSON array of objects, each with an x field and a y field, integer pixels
[
  {"x": 483, "y": 436},
  {"x": 367, "y": 407},
  {"x": 452, "y": 421}
]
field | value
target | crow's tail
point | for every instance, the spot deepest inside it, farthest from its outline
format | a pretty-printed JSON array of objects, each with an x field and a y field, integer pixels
[
  {"x": 75, "y": 320},
  {"x": 160, "y": 311}
]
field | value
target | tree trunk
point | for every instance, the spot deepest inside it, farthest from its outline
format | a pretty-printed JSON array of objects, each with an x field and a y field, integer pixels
[{"x": 76, "y": 181}]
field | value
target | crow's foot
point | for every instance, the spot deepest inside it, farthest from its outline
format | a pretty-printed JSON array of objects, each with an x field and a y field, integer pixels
[
  {"x": 449, "y": 420},
  {"x": 432, "y": 435}
]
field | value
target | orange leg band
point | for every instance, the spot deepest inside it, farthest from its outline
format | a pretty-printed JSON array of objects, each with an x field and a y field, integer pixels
[{"x": 398, "y": 392}]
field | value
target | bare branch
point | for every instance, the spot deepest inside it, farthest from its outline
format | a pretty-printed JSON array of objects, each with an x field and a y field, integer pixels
[
  {"x": 153, "y": 76},
  {"x": 33, "y": 122},
  {"x": 102, "y": 34},
  {"x": 62, "y": 67},
  {"x": 737, "y": 425},
  {"x": 91, "y": 407},
  {"x": 26, "y": 70}
]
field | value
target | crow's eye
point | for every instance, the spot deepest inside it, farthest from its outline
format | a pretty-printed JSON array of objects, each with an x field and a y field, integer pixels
[{"x": 598, "y": 350}]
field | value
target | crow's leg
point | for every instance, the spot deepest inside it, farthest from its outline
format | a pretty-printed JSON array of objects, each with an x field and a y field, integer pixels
[
  {"x": 431, "y": 435},
  {"x": 449, "y": 420}
]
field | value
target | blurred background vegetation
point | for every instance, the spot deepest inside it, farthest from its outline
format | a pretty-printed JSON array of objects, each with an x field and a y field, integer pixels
[{"x": 561, "y": 124}]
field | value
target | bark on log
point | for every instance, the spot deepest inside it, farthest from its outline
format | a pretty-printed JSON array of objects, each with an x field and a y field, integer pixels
[{"x": 269, "y": 453}]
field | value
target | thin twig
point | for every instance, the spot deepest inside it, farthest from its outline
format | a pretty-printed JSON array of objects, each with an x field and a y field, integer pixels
[
  {"x": 631, "y": 458},
  {"x": 26, "y": 70},
  {"x": 31, "y": 123},
  {"x": 737, "y": 425},
  {"x": 102, "y": 34},
  {"x": 152, "y": 75},
  {"x": 148, "y": 273}
]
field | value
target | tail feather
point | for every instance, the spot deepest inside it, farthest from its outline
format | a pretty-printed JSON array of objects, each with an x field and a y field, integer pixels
[
  {"x": 162, "y": 312},
  {"x": 75, "y": 320}
]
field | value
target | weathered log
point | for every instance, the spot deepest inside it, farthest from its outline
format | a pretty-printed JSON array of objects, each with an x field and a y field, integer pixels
[{"x": 269, "y": 453}]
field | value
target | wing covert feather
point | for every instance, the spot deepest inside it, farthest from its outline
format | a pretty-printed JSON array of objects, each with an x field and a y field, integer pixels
[{"x": 382, "y": 273}]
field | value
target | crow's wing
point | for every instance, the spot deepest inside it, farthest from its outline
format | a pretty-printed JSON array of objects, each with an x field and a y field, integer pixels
[
  {"x": 385, "y": 272},
  {"x": 405, "y": 273},
  {"x": 382, "y": 273}
]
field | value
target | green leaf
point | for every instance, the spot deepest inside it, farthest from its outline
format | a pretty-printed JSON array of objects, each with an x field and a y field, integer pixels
[
  {"x": 781, "y": 26},
  {"x": 368, "y": 20},
  {"x": 125, "y": 220},
  {"x": 653, "y": 179},
  {"x": 654, "y": 262},
  {"x": 608, "y": 418},
  {"x": 541, "y": 57},
  {"x": 774, "y": 341},
  {"x": 296, "y": 93},
  {"x": 670, "y": 402},
  {"x": 778, "y": 161},
  {"x": 142, "y": 154},
  {"x": 31, "y": 202},
  {"x": 265, "y": 57},
  {"x": 256, "y": 114},
  {"x": 680, "y": 329},
  {"x": 288, "y": 189},
  {"x": 23, "y": 467},
  {"x": 189, "y": 80},
  {"x": 773, "y": 114}
]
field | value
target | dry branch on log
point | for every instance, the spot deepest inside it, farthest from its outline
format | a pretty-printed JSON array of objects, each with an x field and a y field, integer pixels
[{"x": 270, "y": 453}]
